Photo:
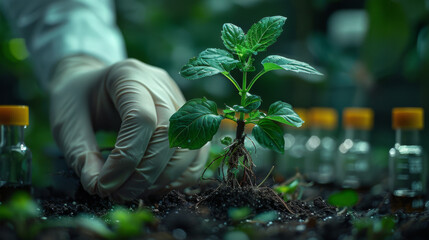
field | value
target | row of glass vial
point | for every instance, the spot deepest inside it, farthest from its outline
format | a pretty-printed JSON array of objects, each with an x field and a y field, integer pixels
[{"x": 349, "y": 163}]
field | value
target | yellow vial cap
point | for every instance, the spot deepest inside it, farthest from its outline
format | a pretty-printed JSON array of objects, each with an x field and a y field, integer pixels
[
  {"x": 359, "y": 118},
  {"x": 326, "y": 118},
  {"x": 407, "y": 118},
  {"x": 14, "y": 115}
]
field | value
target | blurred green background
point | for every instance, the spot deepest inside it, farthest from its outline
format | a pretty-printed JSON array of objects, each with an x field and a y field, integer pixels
[{"x": 373, "y": 53}]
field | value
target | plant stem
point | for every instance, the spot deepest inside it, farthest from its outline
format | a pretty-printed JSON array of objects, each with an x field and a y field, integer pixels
[
  {"x": 262, "y": 72},
  {"x": 227, "y": 75},
  {"x": 240, "y": 131}
]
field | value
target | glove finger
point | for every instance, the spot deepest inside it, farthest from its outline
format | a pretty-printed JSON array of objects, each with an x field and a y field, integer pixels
[
  {"x": 153, "y": 163},
  {"x": 72, "y": 130},
  {"x": 156, "y": 157},
  {"x": 183, "y": 170}
]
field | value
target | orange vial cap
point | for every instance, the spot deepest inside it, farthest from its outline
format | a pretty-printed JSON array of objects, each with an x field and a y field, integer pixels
[
  {"x": 14, "y": 115},
  {"x": 359, "y": 118},
  {"x": 326, "y": 118},
  {"x": 407, "y": 118},
  {"x": 302, "y": 113}
]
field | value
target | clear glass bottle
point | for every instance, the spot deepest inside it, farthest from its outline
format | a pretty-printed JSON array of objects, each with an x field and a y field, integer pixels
[
  {"x": 407, "y": 170},
  {"x": 292, "y": 161},
  {"x": 15, "y": 157},
  {"x": 354, "y": 153},
  {"x": 321, "y": 145}
]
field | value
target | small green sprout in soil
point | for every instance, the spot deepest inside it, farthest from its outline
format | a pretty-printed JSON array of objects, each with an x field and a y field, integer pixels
[
  {"x": 344, "y": 198},
  {"x": 197, "y": 121}
]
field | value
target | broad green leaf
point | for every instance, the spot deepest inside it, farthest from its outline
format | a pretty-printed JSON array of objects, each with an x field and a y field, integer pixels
[
  {"x": 252, "y": 101},
  {"x": 269, "y": 135},
  {"x": 194, "y": 124},
  {"x": 345, "y": 198},
  {"x": 232, "y": 36},
  {"x": 198, "y": 68},
  {"x": 282, "y": 112},
  {"x": 219, "y": 59},
  {"x": 275, "y": 62},
  {"x": 264, "y": 33}
]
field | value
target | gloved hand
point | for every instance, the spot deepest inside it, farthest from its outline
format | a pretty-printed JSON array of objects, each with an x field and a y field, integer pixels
[{"x": 135, "y": 99}]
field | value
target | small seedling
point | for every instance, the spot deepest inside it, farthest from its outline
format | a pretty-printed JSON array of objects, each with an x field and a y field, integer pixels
[{"x": 197, "y": 121}]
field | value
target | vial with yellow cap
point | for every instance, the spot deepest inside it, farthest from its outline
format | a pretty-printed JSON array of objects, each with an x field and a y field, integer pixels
[
  {"x": 15, "y": 157},
  {"x": 354, "y": 153},
  {"x": 407, "y": 175},
  {"x": 321, "y": 145}
]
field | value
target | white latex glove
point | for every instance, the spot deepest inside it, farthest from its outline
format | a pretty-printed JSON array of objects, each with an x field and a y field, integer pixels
[{"x": 135, "y": 99}]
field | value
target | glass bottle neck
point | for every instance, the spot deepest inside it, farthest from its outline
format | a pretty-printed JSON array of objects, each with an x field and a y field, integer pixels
[
  {"x": 407, "y": 137},
  {"x": 356, "y": 134},
  {"x": 321, "y": 132},
  {"x": 11, "y": 135}
]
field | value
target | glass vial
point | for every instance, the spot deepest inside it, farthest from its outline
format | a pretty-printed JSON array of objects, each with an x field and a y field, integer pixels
[
  {"x": 15, "y": 157},
  {"x": 292, "y": 161},
  {"x": 407, "y": 175},
  {"x": 321, "y": 145},
  {"x": 354, "y": 153}
]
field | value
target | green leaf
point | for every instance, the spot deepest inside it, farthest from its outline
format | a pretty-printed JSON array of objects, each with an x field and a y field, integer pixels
[
  {"x": 264, "y": 33},
  {"x": 232, "y": 36},
  {"x": 275, "y": 62},
  {"x": 198, "y": 68},
  {"x": 345, "y": 198},
  {"x": 269, "y": 135},
  {"x": 226, "y": 140},
  {"x": 219, "y": 59},
  {"x": 210, "y": 62},
  {"x": 255, "y": 115},
  {"x": 194, "y": 124},
  {"x": 252, "y": 102},
  {"x": 238, "y": 214},
  {"x": 288, "y": 189},
  {"x": 282, "y": 112},
  {"x": 266, "y": 216},
  {"x": 244, "y": 51}
]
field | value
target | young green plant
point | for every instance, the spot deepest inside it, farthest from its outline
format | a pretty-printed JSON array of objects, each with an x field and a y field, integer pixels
[{"x": 195, "y": 123}]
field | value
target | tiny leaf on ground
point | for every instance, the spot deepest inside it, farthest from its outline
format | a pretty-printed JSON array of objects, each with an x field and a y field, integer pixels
[
  {"x": 282, "y": 112},
  {"x": 194, "y": 124},
  {"x": 345, "y": 198},
  {"x": 269, "y": 135},
  {"x": 275, "y": 62}
]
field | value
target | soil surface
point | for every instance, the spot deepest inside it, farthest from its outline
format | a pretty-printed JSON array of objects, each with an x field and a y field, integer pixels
[{"x": 207, "y": 213}]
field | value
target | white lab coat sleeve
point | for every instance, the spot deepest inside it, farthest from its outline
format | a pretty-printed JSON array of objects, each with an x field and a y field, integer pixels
[{"x": 54, "y": 29}]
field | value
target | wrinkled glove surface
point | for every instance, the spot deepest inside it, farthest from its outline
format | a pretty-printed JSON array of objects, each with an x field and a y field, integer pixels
[{"x": 134, "y": 99}]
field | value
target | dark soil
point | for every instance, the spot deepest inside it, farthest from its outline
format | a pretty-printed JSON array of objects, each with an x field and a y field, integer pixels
[{"x": 205, "y": 215}]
